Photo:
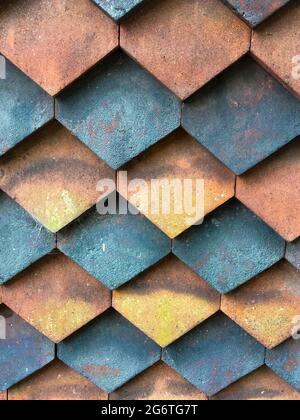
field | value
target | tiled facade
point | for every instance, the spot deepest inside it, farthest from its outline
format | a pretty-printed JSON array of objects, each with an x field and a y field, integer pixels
[{"x": 149, "y": 306}]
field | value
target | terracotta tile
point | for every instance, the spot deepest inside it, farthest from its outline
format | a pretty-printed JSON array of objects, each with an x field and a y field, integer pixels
[
  {"x": 177, "y": 159},
  {"x": 185, "y": 43},
  {"x": 22, "y": 240},
  {"x": 118, "y": 110},
  {"x": 23, "y": 351},
  {"x": 109, "y": 352},
  {"x": 53, "y": 176},
  {"x": 55, "y": 41},
  {"x": 158, "y": 383},
  {"x": 243, "y": 116},
  {"x": 230, "y": 248},
  {"x": 215, "y": 355},
  {"x": 266, "y": 306},
  {"x": 114, "y": 249},
  {"x": 255, "y": 12},
  {"x": 118, "y": 9},
  {"x": 261, "y": 385},
  {"x": 56, "y": 296},
  {"x": 277, "y": 44},
  {"x": 285, "y": 362},
  {"x": 56, "y": 382},
  {"x": 3, "y": 396},
  {"x": 24, "y": 107},
  {"x": 293, "y": 253},
  {"x": 167, "y": 301},
  {"x": 272, "y": 191}
]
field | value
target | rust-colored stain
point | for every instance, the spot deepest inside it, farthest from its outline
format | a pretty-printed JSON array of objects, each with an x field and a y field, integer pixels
[
  {"x": 176, "y": 159},
  {"x": 183, "y": 43},
  {"x": 261, "y": 385},
  {"x": 53, "y": 176},
  {"x": 56, "y": 382},
  {"x": 272, "y": 191},
  {"x": 158, "y": 383},
  {"x": 56, "y": 296},
  {"x": 55, "y": 41},
  {"x": 267, "y": 306},
  {"x": 276, "y": 44}
]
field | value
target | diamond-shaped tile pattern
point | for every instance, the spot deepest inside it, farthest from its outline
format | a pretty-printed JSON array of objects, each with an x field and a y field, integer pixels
[
  {"x": 230, "y": 248},
  {"x": 56, "y": 382},
  {"x": 114, "y": 249},
  {"x": 266, "y": 306},
  {"x": 22, "y": 351},
  {"x": 118, "y": 9},
  {"x": 293, "y": 253},
  {"x": 177, "y": 159},
  {"x": 181, "y": 42},
  {"x": 53, "y": 176},
  {"x": 109, "y": 352},
  {"x": 167, "y": 301},
  {"x": 243, "y": 116},
  {"x": 158, "y": 383},
  {"x": 118, "y": 110},
  {"x": 24, "y": 107},
  {"x": 56, "y": 296},
  {"x": 255, "y": 12},
  {"x": 277, "y": 43},
  {"x": 22, "y": 240},
  {"x": 215, "y": 355},
  {"x": 55, "y": 41},
  {"x": 272, "y": 191}
]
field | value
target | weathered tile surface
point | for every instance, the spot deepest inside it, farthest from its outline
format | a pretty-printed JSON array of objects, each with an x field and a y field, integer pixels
[
  {"x": 261, "y": 385},
  {"x": 272, "y": 191},
  {"x": 24, "y": 107},
  {"x": 160, "y": 383},
  {"x": 56, "y": 296},
  {"x": 182, "y": 42},
  {"x": 53, "y": 176},
  {"x": 293, "y": 253},
  {"x": 167, "y": 301},
  {"x": 177, "y": 159},
  {"x": 109, "y": 352},
  {"x": 215, "y": 355},
  {"x": 255, "y": 12},
  {"x": 243, "y": 116},
  {"x": 55, "y": 41},
  {"x": 22, "y": 240},
  {"x": 56, "y": 382},
  {"x": 23, "y": 352},
  {"x": 118, "y": 110},
  {"x": 230, "y": 248},
  {"x": 114, "y": 249},
  {"x": 277, "y": 44},
  {"x": 3, "y": 396},
  {"x": 266, "y": 306},
  {"x": 118, "y": 9},
  {"x": 285, "y": 361}
]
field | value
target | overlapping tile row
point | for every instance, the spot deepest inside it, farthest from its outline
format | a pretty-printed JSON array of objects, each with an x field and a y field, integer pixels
[{"x": 149, "y": 306}]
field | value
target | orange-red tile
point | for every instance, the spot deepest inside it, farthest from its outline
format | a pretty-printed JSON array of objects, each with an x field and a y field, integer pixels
[
  {"x": 276, "y": 44},
  {"x": 55, "y": 41},
  {"x": 272, "y": 191},
  {"x": 267, "y": 306},
  {"x": 56, "y": 382},
  {"x": 185, "y": 43},
  {"x": 158, "y": 383},
  {"x": 56, "y": 296},
  {"x": 53, "y": 176}
]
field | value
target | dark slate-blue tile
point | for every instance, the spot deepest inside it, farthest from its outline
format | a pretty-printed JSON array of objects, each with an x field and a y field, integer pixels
[
  {"x": 231, "y": 247},
  {"x": 24, "y": 107},
  {"x": 118, "y": 110},
  {"x": 22, "y": 240},
  {"x": 109, "y": 352},
  {"x": 215, "y": 354},
  {"x": 243, "y": 116},
  {"x": 118, "y": 9},
  {"x": 293, "y": 254},
  {"x": 114, "y": 248},
  {"x": 23, "y": 350},
  {"x": 285, "y": 359}
]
